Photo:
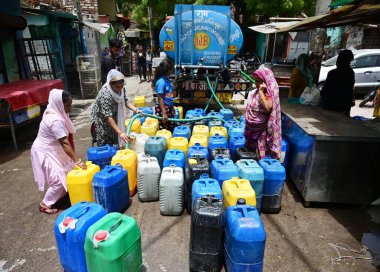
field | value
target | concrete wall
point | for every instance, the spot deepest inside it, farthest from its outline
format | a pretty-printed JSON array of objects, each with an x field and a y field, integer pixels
[{"x": 107, "y": 7}]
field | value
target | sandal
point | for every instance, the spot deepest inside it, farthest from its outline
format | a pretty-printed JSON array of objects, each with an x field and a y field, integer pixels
[{"x": 48, "y": 210}]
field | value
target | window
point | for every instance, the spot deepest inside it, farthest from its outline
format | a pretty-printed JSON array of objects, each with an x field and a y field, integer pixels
[{"x": 366, "y": 61}]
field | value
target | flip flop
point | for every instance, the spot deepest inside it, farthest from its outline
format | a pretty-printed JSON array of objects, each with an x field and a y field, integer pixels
[{"x": 48, "y": 210}]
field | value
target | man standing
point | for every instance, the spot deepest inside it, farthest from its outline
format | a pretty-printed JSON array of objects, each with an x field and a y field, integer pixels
[
  {"x": 149, "y": 62},
  {"x": 111, "y": 60},
  {"x": 141, "y": 63}
]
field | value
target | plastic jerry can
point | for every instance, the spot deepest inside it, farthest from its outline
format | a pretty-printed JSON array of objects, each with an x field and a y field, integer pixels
[
  {"x": 198, "y": 150},
  {"x": 138, "y": 144},
  {"x": 236, "y": 131},
  {"x": 242, "y": 118},
  {"x": 274, "y": 178},
  {"x": 215, "y": 114},
  {"x": 236, "y": 188},
  {"x": 165, "y": 133},
  {"x": 70, "y": 232},
  {"x": 201, "y": 130},
  {"x": 153, "y": 120},
  {"x": 128, "y": 159},
  {"x": 111, "y": 189},
  {"x": 156, "y": 146},
  {"x": 206, "y": 235},
  {"x": 176, "y": 115},
  {"x": 227, "y": 114},
  {"x": 220, "y": 153},
  {"x": 217, "y": 141},
  {"x": 205, "y": 186},
  {"x": 180, "y": 110},
  {"x": 146, "y": 110},
  {"x": 114, "y": 244},
  {"x": 284, "y": 152},
  {"x": 182, "y": 131},
  {"x": 214, "y": 123},
  {"x": 176, "y": 157},
  {"x": 197, "y": 166},
  {"x": 171, "y": 191},
  {"x": 79, "y": 183},
  {"x": 243, "y": 153},
  {"x": 222, "y": 131},
  {"x": 245, "y": 238},
  {"x": 136, "y": 125},
  {"x": 199, "y": 111},
  {"x": 190, "y": 114},
  {"x": 148, "y": 173},
  {"x": 149, "y": 128},
  {"x": 251, "y": 170},
  {"x": 230, "y": 123},
  {"x": 201, "y": 139},
  {"x": 223, "y": 169},
  {"x": 140, "y": 101},
  {"x": 180, "y": 143},
  {"x": 235, "y": 143},
  {"x": 201, "y": 122},
  {"x": 101, "y": 155}
]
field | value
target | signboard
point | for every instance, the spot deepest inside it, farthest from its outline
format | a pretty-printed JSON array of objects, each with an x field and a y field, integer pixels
[{"x": 169, "y": 46}]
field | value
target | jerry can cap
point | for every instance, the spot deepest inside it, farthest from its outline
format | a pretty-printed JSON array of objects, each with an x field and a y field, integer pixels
[
  {"x": 67, "y": 221},
  {"x": 241, "y": 201},
  {"x": 193, "y": 161},
  {"x": 101, "y": 236}
]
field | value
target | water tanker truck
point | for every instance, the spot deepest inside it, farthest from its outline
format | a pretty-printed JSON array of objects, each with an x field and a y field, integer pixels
[{"x": 201, "y": 40}]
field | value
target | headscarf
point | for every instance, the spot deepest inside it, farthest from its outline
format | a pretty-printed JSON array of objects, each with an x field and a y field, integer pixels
[
  {"x": 301, "y": 61},
  {"x": 274, "y": 121},
  {"x": 344, "y": 59},
  {"x": 120, "y": 99},
  {"x": 56, "y": 107}
]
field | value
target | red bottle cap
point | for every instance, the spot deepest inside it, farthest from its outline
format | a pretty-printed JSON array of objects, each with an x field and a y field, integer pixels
[
  {"x": 101, "y": 236},
  {"x": 67, "y": 221}
]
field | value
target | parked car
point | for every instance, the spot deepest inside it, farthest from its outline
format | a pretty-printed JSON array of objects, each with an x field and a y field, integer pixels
[{"x": 366, "y": 65}]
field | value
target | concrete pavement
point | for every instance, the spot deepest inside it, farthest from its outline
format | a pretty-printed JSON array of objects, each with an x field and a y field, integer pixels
[{"x": 297, "y": 238}]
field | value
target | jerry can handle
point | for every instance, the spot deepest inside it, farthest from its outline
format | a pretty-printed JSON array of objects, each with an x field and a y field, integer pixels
[
  {"x": 81, "y": 212},
  {"x": 118, "y": 165},
  {"x": 204, "y": 175},
  {"x": 104, "y": 147},
  {"x": 116, "y": 225}
]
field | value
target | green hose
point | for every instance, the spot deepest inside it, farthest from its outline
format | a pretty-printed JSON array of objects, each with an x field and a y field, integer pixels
[
  {"x": 128, "y": 130},
  {"x": 209, "y": 101},
  {"x": 248, "y": 77}
]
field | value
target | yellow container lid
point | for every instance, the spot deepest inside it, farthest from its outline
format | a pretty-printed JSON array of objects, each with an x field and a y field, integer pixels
[{"x": 192, "y": 161}]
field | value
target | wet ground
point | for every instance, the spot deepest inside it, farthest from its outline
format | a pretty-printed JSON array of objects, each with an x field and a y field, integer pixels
[{"x": 298, "y": 238}]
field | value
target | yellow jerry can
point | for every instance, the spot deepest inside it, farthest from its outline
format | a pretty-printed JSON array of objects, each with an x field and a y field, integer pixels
[
  {"x": 236, "y": 188},
  {"x": 128, "y": 159},
  {"x": 180, "y": 143},
  {"x": 165, "y": 133},
  {"x": 136, "y": 126},
  {"x": 222, "y": 131},
  {"x": 140, "y": 101},
  {"x": 201, "y": 139},
  {"x": 201, "y": 130}
]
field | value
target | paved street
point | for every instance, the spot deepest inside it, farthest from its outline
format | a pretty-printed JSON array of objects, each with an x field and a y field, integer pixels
[{"x": 298, "y": 238}]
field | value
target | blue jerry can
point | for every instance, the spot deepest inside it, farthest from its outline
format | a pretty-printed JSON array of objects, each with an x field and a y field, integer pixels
[
  {"x": 198, "y": 150},
  {"x": 235, "y": 143},
  {"x": 182, "y": 131},
  {"x": 147, "y": 110},
  {"x": 236, "y": 130},
  {"x": 245, "y": 238},
  {"x": 230, "y": 123},
  {"x": 227, "y": 114},
  {"x": 111, "y": 189},
  {"x": 199, "y": 111},
  {"x": 284, "y": 152},
  {"x": 101, "y": 155},
  {"x": 274, "y": 179},
  {"x": 70, "y": 232},
  {"x": 176, "y": 157},
  {"x": 206, "y": 186},
  {"x": 249, "y": 169},
  {"x": 156, "y": 146},
  {"x": 223, "y": 169},
  {"x": 217, "y": 141}
]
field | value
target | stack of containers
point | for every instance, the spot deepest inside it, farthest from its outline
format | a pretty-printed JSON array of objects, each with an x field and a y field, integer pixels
[
  {"x": 223, "y": 169},
  {"x": 156, "y": 146},
  {"x": 111, "y": 189},
  {"x": 182, "y": 131},
  {"x": 128, "y": 159},
  {"x": 236, "y": 188},
  {"x": 171, "y": 191},
  {"x": 149, "y": 173},
  {"x": 101, "y": 155},
  {"x": 205, "y": 186},
  {"x": 274, "y": 178},
  {"x": 250, "y": 170},
  {"x": 114, "y": 244},
  {"x": 70, "y": 232},
  {"x": 198, "y": 150},
  {"x": 79, "y": 183},
  {"x": 245, "y": 238}
]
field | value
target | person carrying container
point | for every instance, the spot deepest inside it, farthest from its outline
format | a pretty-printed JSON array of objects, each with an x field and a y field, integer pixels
[
  {"x": 165, "y": 104},
  {"x": 52, "y": 152},
  {"x": 263, "y": 116},
  {"x": 109, "y": 111}
]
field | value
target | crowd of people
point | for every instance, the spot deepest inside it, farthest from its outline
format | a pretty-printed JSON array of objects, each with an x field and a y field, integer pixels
[{"x": 53, "y": 152}]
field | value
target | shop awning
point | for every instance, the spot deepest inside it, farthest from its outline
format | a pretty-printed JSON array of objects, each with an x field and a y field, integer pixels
[
  {"x": 12, "y": 22},
  {"x": 272, "y": 27},
  {"x": 52, "y": 13}
]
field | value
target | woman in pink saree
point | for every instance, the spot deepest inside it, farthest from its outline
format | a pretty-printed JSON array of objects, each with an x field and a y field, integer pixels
[
  {"x": 52, "y": 153},
  {"x": 263, "y": 116}
]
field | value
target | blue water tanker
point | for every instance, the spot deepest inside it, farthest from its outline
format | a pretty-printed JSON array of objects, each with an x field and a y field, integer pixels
[
  {"x": 236, "y": 142},
  {"x": 223, "y": 169},
  {"x": 251, "y": 170},
  {"x": 274, "y": 178},
  {"x": 227, "y": 114},
  {"x": 198, "y": 150},
  {"x": 156, "y": 146},
  {"x": 182, "y": 131},
  {"x": 245, "y": 238},
  {"x": 70, "y": 232},
  {"x": 101, "y": 155},
  {"x": 176, "y": 157},
  {"x": 111, "y": 189},
  {"x": 211, "y": 39},
  {"x": 206, "y": 186},
  {"x": 217, "y": 141}
]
